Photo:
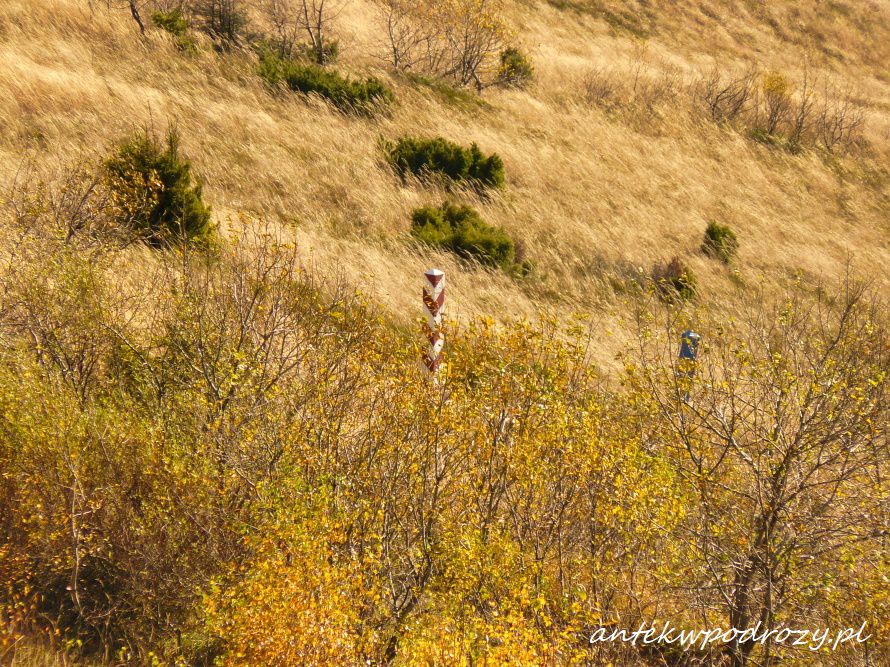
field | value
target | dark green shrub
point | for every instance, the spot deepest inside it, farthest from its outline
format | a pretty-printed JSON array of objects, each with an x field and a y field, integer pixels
[
  {"x": 174, "y": 22},
  {"x": 516, "y": 69},
  {"x": 272, "y": 65},
  {"x": 425, "y": 157},
  {"x": 224, "y": 20},
  {"x": 346, "y": 94},
  {"x": 152, "y": 189},
  {"x": 461, "y": 230},
  {"x": 720, "y": 242},
  {"x": 674, "y": 280}
]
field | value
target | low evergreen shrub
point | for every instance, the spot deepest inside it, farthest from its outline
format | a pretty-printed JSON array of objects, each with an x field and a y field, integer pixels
[
  {"x": 720, "y": 242},
  {"x": 172, "y": 21},
  {"x": 349, "y": 95},
  {"x": 438, "y": 156},
  {"x": 153, "y": 191},
  {"x": 516, "y": 69},
  {"x": 461, "y": 230}
]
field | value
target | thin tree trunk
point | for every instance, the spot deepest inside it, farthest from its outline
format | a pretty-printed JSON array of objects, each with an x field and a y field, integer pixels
[{"x": 134, "y": 10}]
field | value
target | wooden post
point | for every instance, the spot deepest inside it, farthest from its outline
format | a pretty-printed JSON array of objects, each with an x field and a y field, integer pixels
[{"x": 434, "y": 308}]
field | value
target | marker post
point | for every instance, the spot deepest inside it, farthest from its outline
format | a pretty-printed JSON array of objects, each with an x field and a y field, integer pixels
[{"x": 434, "y": 309}]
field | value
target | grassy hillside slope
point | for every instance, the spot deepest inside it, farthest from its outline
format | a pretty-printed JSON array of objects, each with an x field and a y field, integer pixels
[
  {"x": 595, "y": 194},
  {"x": 224, "y": 454}
]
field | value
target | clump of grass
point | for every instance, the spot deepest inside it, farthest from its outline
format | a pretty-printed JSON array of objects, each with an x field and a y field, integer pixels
[
  {"x": 349, "y": 95},
  {"x": 461, "y": 230},
  {"x": 720, "y": 242},
  {"x": 443, "y": 158},
  {"x": 154, "y": 193}
]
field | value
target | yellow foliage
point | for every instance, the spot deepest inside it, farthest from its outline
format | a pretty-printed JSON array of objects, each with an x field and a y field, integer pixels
[
  {"x": 233, "y": 463},
  {"x": 297, "y": 600}
]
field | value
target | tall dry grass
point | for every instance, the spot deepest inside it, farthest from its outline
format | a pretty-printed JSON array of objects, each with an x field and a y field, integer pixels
[
  {"x": 34, "y": 654},
  {"x": 597, "y": 193},
  {"x": 596, "y": 196}
]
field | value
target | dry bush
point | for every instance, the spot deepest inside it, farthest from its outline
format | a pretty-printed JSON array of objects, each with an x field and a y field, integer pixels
[
  {"x": 459, "y": 40},
  {"x": 313, "y": 20},
  {"x": 641, "y": 94},
  {"x": 775, "y": 106},
  {"x": 602, "y": 88},
  {"x": 774, "y": 109},
  {"x": 650, "y": 88},
  {"x": 71, "y": 201},
  {"x": 780, "y": 428},
  {"x": 802, "y": 111},
  {"x": 839, "y": 120},
  {"x": 768, "y": 106},
  {"x": 674, "y": 280},
  {"x": 726, "y": 98},
  {"x": 227, "y": 461},
  {"x": 410, "y": 35}
]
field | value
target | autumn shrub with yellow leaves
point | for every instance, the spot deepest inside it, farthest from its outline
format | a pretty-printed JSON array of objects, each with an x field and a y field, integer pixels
[{"x": 212, "y": 457}]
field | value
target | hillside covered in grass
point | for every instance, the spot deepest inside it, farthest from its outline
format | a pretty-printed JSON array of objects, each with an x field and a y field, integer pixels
[
  {"x": 613, "y": 161},
  {"x": 216, "y": 444}
]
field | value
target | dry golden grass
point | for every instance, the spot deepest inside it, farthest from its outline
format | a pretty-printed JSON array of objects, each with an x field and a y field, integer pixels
[
  {"x": 595, "y": 196},
  {"x": 33, "y": 654}
]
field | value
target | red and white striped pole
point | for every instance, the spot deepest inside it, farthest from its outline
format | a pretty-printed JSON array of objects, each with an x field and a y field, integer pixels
[{"x": 434, "y": 308}]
